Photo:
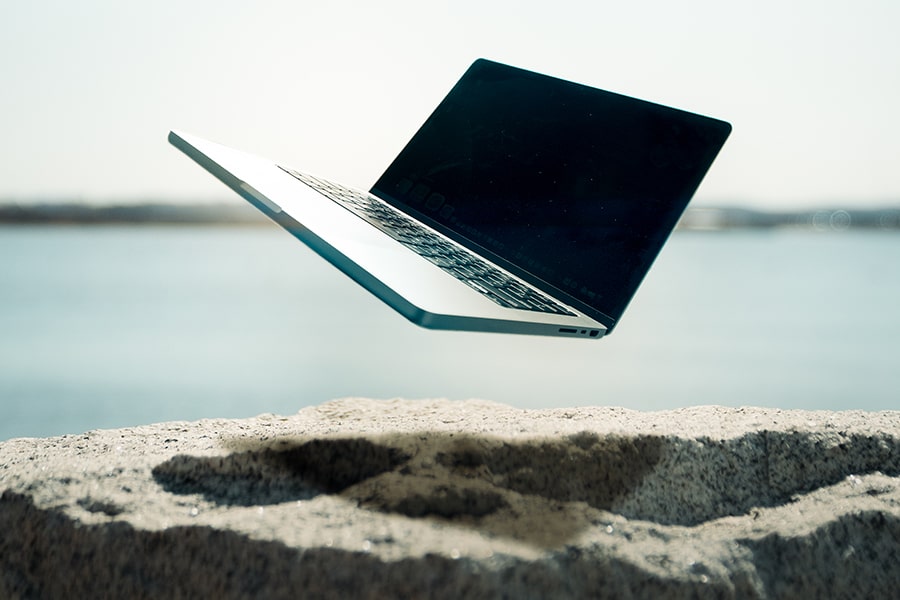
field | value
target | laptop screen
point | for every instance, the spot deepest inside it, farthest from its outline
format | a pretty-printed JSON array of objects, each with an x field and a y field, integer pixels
[{"x": 565, "y": 185}]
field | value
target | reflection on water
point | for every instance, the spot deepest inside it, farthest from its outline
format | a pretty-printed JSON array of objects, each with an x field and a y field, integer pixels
[{"x": 114, "y": 326}]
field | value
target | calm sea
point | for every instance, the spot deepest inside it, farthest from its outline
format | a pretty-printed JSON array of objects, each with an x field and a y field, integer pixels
[{"x": 113, "y": 326}]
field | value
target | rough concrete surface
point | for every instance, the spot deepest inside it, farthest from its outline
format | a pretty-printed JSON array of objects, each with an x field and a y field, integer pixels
[{"x": 440, "y": 499}]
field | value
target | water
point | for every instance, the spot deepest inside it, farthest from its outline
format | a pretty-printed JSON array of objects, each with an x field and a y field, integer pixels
[{"x": 113, "y": 326}]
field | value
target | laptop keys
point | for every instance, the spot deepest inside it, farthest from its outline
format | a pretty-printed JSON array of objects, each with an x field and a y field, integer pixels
[{"x": 465, "y": 266}]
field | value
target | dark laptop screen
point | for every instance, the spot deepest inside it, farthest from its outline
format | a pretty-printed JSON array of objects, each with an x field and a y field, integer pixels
[{"x": 566, "y": 184}]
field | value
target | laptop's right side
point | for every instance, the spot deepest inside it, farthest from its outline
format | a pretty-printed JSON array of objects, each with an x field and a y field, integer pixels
[{"x": 571, "y": 188}]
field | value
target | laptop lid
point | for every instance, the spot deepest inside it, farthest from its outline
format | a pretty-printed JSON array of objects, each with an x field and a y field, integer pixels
[{"x": 571, "y": 188}]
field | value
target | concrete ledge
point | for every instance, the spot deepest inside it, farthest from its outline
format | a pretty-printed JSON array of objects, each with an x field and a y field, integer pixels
[{"x": 439, "y": 499}]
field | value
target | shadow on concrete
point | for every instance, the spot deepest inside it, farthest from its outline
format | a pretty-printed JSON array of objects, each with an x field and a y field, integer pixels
[
  {"x": 534, "y": 491},
  {"x": 542, "y": 491},
  {"x": 269, "y": 475}
]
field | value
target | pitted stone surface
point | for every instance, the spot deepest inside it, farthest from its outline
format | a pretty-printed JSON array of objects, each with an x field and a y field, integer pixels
[{"x": 434, "y": 498}]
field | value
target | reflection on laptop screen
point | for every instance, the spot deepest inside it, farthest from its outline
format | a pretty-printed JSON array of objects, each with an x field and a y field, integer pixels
[{"x": 573, "y": 186}]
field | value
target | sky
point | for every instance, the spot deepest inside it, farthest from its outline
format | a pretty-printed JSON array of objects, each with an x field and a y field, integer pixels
[{"x": 90, "y": 89}]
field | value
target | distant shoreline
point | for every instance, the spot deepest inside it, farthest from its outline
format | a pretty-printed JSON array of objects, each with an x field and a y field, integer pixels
[
  {"x": 131, "y": 214},
  {"x": 694, "y": 219}
]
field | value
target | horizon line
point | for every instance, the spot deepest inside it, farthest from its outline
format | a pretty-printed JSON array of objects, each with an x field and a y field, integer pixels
[{"x": 704, "y": 217}]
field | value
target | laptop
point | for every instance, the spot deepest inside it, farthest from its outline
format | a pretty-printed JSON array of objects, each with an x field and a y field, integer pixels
[{"x": 524, "y": 204}]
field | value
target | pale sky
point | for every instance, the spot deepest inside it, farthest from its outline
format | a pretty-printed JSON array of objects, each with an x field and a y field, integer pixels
[{"x": 90, "y": 89}]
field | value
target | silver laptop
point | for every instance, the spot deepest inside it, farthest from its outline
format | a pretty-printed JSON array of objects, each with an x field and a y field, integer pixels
[{"x": 524, "y": 204}]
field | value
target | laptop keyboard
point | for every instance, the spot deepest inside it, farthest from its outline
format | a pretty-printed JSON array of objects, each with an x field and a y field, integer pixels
[{"x": 466, "y": 266}]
